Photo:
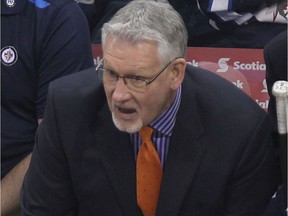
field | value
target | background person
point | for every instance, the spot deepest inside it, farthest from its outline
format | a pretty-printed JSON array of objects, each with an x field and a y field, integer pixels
[
  {"x": 232, "y": 24},
  {"x": 213, "y": 23},
  {"x": 40, "y": 41},
  {"x": 98, "y": 12},
  {"x": 275, "y": 55}
]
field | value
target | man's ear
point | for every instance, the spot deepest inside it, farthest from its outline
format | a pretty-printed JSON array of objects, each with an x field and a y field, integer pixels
[{"x": 177, "y": 72}]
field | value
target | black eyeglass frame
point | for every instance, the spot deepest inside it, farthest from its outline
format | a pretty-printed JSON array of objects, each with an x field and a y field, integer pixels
[{"x": 147, "y": 81}]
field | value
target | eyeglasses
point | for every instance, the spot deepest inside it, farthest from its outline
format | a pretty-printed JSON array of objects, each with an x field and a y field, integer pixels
[{"x": 134, "y": 83}]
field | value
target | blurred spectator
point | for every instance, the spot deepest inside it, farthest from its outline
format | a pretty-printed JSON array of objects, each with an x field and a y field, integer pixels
[
  {"x": 98, "y": 12},
  {"x": 40, "y": 41},
  {"x": 275, "y": 55},
  {"x": 235, "y": 24},
  {"x": 213, "y": 23}
]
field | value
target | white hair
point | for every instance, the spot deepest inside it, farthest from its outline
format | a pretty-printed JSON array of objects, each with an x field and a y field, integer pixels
[{"x": 149, "y": 20}]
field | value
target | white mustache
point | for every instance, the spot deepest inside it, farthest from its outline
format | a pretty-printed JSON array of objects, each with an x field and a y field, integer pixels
[{"x": 122, "y": 106}]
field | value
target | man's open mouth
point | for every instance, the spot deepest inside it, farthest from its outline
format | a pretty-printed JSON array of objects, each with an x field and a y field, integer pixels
[{"x": 126, "y": 110}]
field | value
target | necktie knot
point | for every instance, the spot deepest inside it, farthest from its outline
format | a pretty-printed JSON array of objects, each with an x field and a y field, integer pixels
[{"x": 146, "y": 133}]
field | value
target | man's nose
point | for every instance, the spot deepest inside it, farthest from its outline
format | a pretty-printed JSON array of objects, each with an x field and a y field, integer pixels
[{"x": 121, "y": 91}]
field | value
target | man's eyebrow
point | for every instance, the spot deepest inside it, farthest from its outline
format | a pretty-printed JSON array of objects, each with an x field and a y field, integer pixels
[{"x": 134, "y": 73}]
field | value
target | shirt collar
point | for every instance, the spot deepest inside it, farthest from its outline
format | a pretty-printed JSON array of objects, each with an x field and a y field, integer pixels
[{"x": 165, "y": 122}]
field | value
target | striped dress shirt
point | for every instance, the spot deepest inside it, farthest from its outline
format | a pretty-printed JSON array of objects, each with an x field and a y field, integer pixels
[{"x": 163, "y": 127}]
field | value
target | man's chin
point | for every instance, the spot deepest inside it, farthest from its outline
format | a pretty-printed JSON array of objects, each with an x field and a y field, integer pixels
[{"x": 129, "y": 127}]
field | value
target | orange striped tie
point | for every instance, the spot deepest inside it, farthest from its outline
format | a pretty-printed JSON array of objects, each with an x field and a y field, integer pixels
[{"x": 149, "y": 174}]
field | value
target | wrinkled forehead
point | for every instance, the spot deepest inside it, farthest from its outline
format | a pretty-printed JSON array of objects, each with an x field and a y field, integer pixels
[
  {"x": 112, "y": 40},
  {"x": 117, "y": 50}
]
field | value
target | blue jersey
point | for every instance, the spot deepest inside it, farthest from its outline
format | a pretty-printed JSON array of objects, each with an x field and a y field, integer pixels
[{"x": 41, "y": 40}]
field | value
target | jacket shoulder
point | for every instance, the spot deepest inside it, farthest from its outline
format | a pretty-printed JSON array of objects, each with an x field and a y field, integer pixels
[
  {"x": 81, "y": 79},
  {"x": 219, "y": 93},
  {"x": 80, "y": 95}
]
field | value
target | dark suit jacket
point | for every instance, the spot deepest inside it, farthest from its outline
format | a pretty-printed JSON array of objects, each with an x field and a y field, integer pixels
[{"x": 219, "y": 161}]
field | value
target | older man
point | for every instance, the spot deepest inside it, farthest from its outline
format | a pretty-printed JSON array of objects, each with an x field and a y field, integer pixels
[{"x": 146, "y": 134}]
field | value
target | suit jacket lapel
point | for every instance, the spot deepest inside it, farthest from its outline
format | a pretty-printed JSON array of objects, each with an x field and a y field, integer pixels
[
  {"x": 119, "y": 163},
  {"x": 184, "y": 155}
]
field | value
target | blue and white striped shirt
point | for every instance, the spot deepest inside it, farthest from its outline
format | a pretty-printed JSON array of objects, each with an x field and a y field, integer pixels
[{"x": 163, "y": 127}]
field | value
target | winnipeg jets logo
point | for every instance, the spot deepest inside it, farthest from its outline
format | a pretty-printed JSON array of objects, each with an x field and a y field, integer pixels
[
  {"x": 8, "y": 55},
  {"x": 10, "y": 3}
]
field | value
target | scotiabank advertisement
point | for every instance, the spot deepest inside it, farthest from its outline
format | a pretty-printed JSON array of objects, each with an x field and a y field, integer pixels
[{"x": 245, "y": 68}]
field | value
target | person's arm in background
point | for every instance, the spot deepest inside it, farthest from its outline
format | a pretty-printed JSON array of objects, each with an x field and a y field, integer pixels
[
  {"x": 11, "y": 186},
  {"x": 65, "y": 49}
]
